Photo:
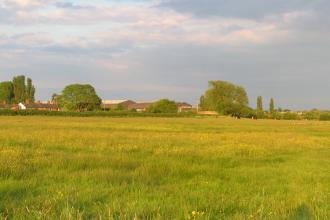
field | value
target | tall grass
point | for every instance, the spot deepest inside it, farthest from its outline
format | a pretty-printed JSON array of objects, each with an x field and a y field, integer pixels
[{"x": 163, "y": 168}]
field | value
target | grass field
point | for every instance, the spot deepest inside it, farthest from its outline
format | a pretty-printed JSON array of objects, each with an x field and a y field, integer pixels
[{"x": 158, "y": 168}]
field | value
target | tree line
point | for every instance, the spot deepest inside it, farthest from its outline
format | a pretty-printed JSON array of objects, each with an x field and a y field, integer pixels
[
  {"x": 20, "y": 89},
  {"x": 223, "y": 97},
  {"x": 78, "y": 97}
]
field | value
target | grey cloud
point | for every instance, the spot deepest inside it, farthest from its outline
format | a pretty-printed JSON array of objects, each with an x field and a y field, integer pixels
[{"x": 242, "y": 9}]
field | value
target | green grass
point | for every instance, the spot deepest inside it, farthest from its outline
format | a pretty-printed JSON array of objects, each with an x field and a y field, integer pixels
[{"x": 163, "y": 168}]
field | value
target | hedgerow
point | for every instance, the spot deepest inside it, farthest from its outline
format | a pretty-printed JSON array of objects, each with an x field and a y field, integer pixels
[{"x": 7, "y": 112}]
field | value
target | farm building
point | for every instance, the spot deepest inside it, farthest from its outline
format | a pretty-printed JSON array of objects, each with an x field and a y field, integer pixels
[
  {"x": 140, "y": 107},
  {"x": 43, "y": 106},
  {"x": 5, "y": 106},
  {"x": 32, "y": 106},
  {"x": 12, "y": 106},
  {"x": 184, "y": 107},
  {"x": 116, "y": 104}
]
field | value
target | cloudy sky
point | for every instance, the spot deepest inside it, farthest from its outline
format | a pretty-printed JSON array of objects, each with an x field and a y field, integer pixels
[{"x": 150, "y": 49}]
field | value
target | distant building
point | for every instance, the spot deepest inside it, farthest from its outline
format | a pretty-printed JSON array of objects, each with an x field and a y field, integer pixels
[
  {"x": 140, "y": 107},
  {"x": 116, "y": 104},
  {"x": 31, "y": 106},
  {"x": 21, "y": 106},
  {"x": 210, "y": 113},
  {"x": 43, "y": 106},
  {"x": 184, "y": 107},
  {"x": 5, "y": 106}
]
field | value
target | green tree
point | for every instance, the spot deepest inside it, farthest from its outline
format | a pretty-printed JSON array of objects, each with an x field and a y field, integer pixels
[
  {"x": 6, "y": 92},
  {"x": 163, "y": 106},
  {"x": 30, "y": 91},
  {"x": 202, "y": 104},
  {"x": 55, "y": 98},
  {"x": 260, "y": 110},
  {"x": 79, "y": 97},
  {"x": 271, "y": 106},
  {"x": 225, "y": 98},
  {"x": 120, "y": 107},
  {"x": 19, "y": 88}
]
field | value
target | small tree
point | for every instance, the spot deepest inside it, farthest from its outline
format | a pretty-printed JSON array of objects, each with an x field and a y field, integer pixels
[
  {"x": 260, "y": 111},
  {"x": 120, "y": 107},
  {"x": 79, "y": 97},
  {"x": 163, "y": 106},
  {"x": 271, "y": 106},
  {"x": 55, "y": 98}
]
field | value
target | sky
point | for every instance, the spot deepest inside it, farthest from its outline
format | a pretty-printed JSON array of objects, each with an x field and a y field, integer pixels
[{"x": 150, "y": 49}]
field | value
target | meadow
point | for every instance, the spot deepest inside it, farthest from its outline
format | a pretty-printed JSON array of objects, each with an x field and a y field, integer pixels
[{"x": 163, "y": 168}]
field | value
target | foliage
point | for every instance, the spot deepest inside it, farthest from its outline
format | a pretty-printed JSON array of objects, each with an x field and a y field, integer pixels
[
  {"x": 6, "y": 92},
  {"x": 17, "y": 91},
  {"x": 248, "y": 112},
  {"x": 163, "y": 168},
  {"x": 271, "y": 108},
  {"x": 290, "y": 116},
  {"x": 30, "y": 91},
  {"x": 111, "y": 114},
  {"x": 79, "y": 98},
  {"x": 163, "y": 106},
  {"x": 260, "y": 110},
  {"x": 225, "y": 98},
  {"x": 325, "y": 116},
  {"x": 55, "y": 98},
  {"x": 313, "y": 114},
  {"x": 120, "y": 107},
  {"x": 19, "y": 88}
]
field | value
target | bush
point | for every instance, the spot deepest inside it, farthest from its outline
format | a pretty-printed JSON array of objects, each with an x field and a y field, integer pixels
[
  {"x": 290, "y": 116},
  {"x": 312, "y": 115},
  {"x": 325, "y": 116},
  {"x": 163, "y": 106}
]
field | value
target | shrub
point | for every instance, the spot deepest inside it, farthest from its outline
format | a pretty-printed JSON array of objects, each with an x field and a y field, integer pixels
[
  {"x": 290, "y": 116},
  {"x": 325, "y": 116},
  {"x": 163, "y": 106},
  {"x": 8, "y": 112}
]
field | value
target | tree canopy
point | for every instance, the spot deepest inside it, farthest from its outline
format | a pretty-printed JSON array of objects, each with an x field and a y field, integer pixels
[
  {"x": 78, "y": 97},
  {"x": 225, "y": 98},
  {"x": 19, "y": 88},
  {"x": 260, "y": 109},
  {"x": 271, "y": 106},
  {"x": 6, "y": 92},
  {"x": 30, "y": 91},
  {"x": 163, "y": 106}
]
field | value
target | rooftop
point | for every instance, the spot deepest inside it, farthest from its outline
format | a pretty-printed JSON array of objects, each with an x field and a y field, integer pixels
[{"x": 113, "y": 102}]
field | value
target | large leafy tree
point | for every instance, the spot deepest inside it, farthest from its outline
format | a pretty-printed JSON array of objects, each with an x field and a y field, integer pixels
[
  {"x": 6, "y": 92},
  {"x": 163, "y": 106},
  {"x": 79, "y": 97},
  {"x": 225, "y": 98},
  {"x": 19, "y": 88}
]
